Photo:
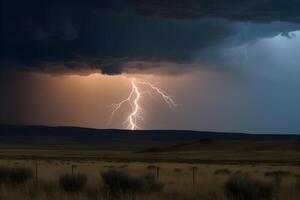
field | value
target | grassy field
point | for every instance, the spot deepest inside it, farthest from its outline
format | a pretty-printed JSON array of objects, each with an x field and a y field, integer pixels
[
  {"x": 212, "y": 157},
  {"x": 212, "y": 170}
]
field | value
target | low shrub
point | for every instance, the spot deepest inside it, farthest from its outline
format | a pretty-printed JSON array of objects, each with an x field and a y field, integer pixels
[
  {"x": 109, "y": 166},
  {"x": 123, "y": 166},
  {"x": 15, "y": 175},
  {"x": 243, "y": 187},
  {"x": 222, "y": 171},
  {"x": 72, "y": 183},
  {"x": 177, "y": 170},
  {"x": 150, "y": 150},
  {"x": 277, "y": 173},
  {"x": 151, "y": 167},
  {"x": 120, "y": 182},
  {"x": 149, "y": 183}
]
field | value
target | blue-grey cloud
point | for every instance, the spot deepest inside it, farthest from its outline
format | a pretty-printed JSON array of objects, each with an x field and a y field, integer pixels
[{"x": 55, "y": 36}]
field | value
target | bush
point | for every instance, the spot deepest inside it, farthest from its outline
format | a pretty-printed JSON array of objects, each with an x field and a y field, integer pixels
[
  {"x": 222, "y": 171},
  {"x": 109, "y": 166},
  {"x": 123, "y": 166},
  {"x": 120, "y": 182},
  {"x": 15, "y": 175},
  {"x": 242, "y": 187},
  {"x": 72, "y": 183},
  {"x": 177, "y": 170},
  {"x": 150, "y": 150},
  {"x": 280, "y": 173},
  {"x": 151, "y": 167}
]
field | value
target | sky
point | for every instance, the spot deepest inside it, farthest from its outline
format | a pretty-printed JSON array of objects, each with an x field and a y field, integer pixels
[{"x": 229, "y": 65}]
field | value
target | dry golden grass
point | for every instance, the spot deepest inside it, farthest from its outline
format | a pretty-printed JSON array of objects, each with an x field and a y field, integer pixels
[
  {"x": 177, "y": 183},
  {"x": 213, "y": 157}
]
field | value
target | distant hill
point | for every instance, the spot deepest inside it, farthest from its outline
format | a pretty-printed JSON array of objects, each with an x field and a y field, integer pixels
[
  {"x": 43, "y": 137},
  {"x": 231, "y": 145}
]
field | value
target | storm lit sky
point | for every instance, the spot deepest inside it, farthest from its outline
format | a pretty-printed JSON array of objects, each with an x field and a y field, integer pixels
[{"x": 64, "y": 63}]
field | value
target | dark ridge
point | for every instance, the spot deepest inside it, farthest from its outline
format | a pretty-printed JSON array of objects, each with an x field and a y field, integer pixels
[{"x": 21, "y": 136}]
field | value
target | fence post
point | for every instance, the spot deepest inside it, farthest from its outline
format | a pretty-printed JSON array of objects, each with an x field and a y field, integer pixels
[
  {"x": 194, "y": 173},
  {"x": 157, "y": 173},
  {"x": 36, "y": 172},
  {"x": 73, "y": 167}
]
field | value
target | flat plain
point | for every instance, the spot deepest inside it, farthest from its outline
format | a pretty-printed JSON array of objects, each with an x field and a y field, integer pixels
[
  {"x": 213, "y": 169},
  {"x": 187, "y": 165}
]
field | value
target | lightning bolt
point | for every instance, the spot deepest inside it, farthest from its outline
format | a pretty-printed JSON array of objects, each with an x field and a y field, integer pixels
[{"x": 133, "y": 100}]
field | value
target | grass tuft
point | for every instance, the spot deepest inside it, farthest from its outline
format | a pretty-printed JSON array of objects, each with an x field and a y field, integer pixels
[
  {"x": 280, "y": 173},
  {"x": 151, "y": 167},
  {"x": 243, "y": 187},
  {"x": 222, "y": 171},
  {"x": 120, "y": 182},
  {"x": 72, "y": 183},
  {"x": 15, "y": 175},
  {"x": 177, "y": 170}
]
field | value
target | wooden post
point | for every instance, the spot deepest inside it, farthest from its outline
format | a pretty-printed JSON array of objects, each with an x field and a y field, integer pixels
[
  {"x": 157, "y": 173},
  {"x": 36, "y": 173},
  {"x": 194, "y": 173},
  {"x": 73, "y": 166}
]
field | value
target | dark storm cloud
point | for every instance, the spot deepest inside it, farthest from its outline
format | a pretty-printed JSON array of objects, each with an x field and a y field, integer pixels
[
  {"x": 241, "y": 10},
  {"x": 58, "y": 36}
]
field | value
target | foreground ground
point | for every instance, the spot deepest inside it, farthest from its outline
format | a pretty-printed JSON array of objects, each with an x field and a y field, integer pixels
[{"x": 212, "y": 170}]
